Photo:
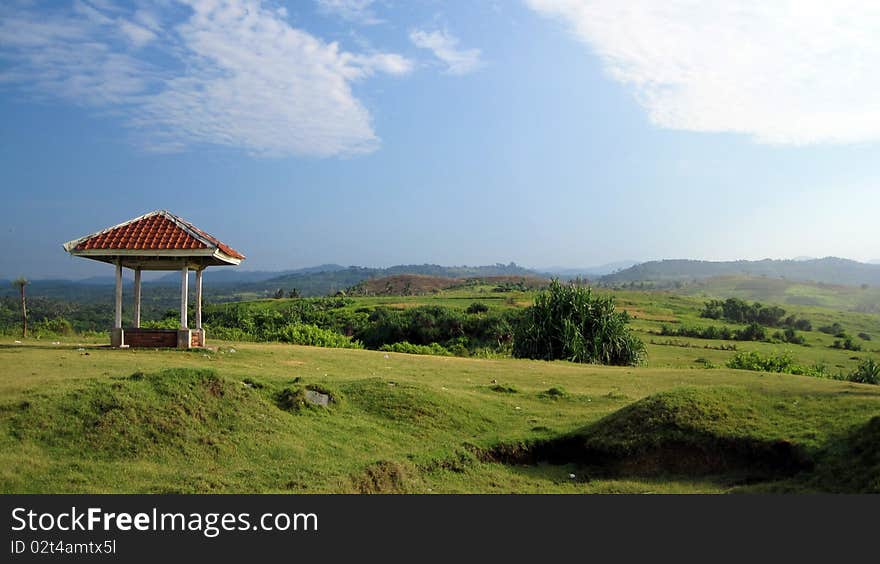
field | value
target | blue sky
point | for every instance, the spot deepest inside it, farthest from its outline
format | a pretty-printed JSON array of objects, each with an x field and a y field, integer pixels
[{"x": 546, "y": 132}]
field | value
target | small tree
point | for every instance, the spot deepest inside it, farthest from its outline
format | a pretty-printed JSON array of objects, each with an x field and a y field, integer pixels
[
  {"x": 569, "y": 322},
  {"x": 21, "y": 282}
]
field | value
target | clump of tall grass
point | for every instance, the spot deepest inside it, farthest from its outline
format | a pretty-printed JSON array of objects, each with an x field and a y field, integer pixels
[
  {"x": 868, "y": 372},
  {"x": 568, "y": 322}
]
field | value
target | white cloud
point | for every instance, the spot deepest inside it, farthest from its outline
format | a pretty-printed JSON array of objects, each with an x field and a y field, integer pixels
[
  {"x": 796, "y": 72},
  {"x": 358, "y": 11},
  {"x": 138, "y": 35},
  {"x": 239, "y": 75},
  {"x": 445, "y": 47}
]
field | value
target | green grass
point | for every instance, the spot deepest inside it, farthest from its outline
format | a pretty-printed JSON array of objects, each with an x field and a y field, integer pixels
[
  {"x": 80, "y": 417},
  {"x": 103, "y": 420}
]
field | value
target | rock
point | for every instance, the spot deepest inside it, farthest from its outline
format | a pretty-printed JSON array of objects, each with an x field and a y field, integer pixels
[{"x": 317, "y": 398}]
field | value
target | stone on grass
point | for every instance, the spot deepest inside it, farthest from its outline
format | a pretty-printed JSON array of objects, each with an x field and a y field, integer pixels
[{"x": 317, "y": 398}]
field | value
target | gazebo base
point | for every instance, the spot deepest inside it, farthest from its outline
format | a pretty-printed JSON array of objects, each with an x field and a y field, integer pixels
[{"x": 157, "y": 338}]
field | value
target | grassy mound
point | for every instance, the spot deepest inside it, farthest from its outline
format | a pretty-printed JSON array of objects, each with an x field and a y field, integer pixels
[
  {"x": 411, "y": 404},
  {"x": 692, "y": 431},
  {"x": 684, "y": 431},
  {"x": 173, "y": 412}
]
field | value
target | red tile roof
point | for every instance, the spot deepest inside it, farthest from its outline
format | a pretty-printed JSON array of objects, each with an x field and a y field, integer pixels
[{"x": 156, "y": 230}]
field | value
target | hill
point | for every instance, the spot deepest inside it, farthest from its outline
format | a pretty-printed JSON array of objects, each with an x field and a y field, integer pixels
[
  {"x": 418, "y": 284},
  {"x": 788, "y": 292},
  {"x": 403, "y": 285},
  {"x": 829, "y": 270}
]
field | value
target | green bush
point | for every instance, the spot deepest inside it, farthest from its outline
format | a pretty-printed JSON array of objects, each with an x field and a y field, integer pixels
[
  {"x": 752, "y": 332},
  {"x": 789, "y": 335},
  {"x": 569, "y": 322},
  {"x": 846, "y": 342},
  {"x": 56, "y": 326},
  {"x": 164, "y": 323},
  {"x": 477, "y": 307},
  {"x": 409, "y": 348},
  {"x": 835, "y": 329},
  {"x": 313, "y": 336},
  {"x": 757, "y": 361},
  {"x": 774, "y": 363},
  {"x": 451, "y": 328}
]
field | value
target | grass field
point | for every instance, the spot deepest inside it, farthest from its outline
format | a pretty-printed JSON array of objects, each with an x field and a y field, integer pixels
[
  {"x": 77, "y": 416},
  {"x": 76, "y": 420}
]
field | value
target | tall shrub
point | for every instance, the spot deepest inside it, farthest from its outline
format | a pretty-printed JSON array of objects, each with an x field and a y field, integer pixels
[{"x": 569, "y": 322}]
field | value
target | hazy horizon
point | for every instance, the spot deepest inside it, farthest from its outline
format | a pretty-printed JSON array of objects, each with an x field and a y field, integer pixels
[
  {"x": 545, "y": 132},
  {"x": 105, "y": 271}
]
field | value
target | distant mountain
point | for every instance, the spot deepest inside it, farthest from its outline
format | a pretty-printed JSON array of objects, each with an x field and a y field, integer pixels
[
  {"x": 829, "y": 270},
  {"x": 589, "y": 271},
  {"x": 497, "y": 269}
]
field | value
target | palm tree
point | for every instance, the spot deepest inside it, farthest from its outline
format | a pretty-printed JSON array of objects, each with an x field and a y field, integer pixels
[{"x": 21, "y": 282}]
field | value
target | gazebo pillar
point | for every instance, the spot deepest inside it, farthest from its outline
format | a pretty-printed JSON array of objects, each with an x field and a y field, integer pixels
[
  {"x": 199, "y": 330},
  {"x": 136, "y": 322},
  {"x": 116, "y": 335},
  {"x": 184, "y": 335}
]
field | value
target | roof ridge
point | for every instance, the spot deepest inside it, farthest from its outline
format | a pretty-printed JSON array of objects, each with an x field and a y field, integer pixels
[{"x": 189, "y": 228}]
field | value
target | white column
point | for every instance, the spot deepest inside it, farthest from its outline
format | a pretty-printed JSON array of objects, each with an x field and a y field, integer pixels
[
  {"x": 199, "y": 298},
  {"x": 117, "y": 321},
  {"x": 184, "y": 295},
  {"x": 137, "y": 297}
]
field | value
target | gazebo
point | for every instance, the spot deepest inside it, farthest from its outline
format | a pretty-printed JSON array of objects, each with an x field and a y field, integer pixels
[{"x": 158, "y": 240}]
